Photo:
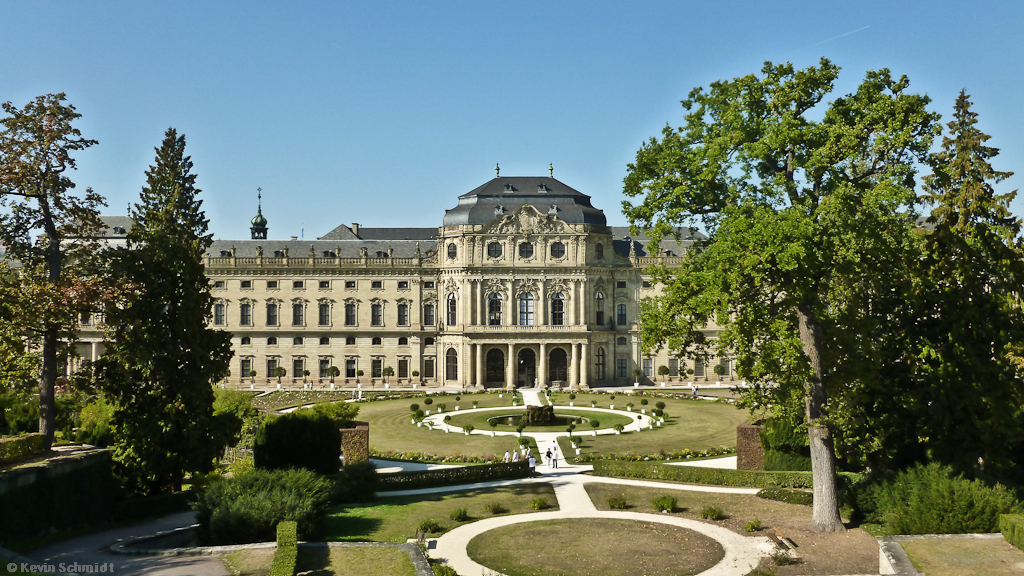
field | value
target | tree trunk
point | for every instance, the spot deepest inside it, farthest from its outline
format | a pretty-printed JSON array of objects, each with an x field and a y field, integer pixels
[
  {"x": 48, "y": 378},
  {"x": 825, "y": 515}
]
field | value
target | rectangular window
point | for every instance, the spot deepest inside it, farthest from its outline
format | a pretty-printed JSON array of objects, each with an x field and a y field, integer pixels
[
  {"x": 218, "y": 284},
  {"x": 246, "y": 367},
  {"x": 218, "y": 314},
  {"x": 377, "y": 367},
  {"x": 246, "y": 284},
  {"x": 673, "y": 367},
  {"x": 245, "y": 314},
  {"x": 647, "y": 284},
  {"x": 376, "y": 316},
  {"x": 429, "y": 284},
  {"x": 350, "y": 284},
  {"x": 620, "y": 368},
  {"x": 621, "y": 316},
  {"x": 271, "y": 367},
  {"x": 403, "y": 285},
  {"x": 350, "y": 368},
  {"x": 403, "y": 314},
  {"x": 724, "y": 363},
  {"x": 325, "y": 314},
  {"x": 298, "y": 285},
  {"x": 325, "y": 284},
  {"x": 620, "y": 284},
  {"x": 428, "y": 315},
  {"x": 403, "y": 368},
  {"x": 428, "y": 367},
  {"x": 377, "y": 285},
  {"x": 350, "y": 314},
  {"x": 325, "y": 366},
  {"x": 271, "y": 284},
  {"x": 85, "y": 319},
  {"x": 526, "y": 310},
  {"x": 297, "y": 319},
  {"x": 271, "y": 314},
  {"x": 698, "y": 368},
  {"x": 298, "y": 367},
  {"x": 648, "y": 367}
]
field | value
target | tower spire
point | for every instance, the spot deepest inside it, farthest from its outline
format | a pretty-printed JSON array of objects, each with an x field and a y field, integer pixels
[{"x": 259, "y": 223}]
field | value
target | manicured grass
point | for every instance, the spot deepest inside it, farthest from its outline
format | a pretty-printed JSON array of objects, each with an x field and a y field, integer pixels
[
  {"x": 253, "y": 562},
  {"x": 479, "y": 420},
  {"x": 352, "y": 561},
  {"x": 595, "y": 547},
  {"x": 396, "y": 519},
  {"x": 965, "y": 557}
]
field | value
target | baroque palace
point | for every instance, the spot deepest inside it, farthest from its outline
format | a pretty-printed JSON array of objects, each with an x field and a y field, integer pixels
[{"x": 524, "y": 283}]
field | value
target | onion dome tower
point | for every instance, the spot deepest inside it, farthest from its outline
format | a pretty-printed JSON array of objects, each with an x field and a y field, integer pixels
[{"x": 259, "y": 223}]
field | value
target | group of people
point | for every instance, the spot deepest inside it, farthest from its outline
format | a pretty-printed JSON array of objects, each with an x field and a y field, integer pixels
[{"x": 550, "y": 457}]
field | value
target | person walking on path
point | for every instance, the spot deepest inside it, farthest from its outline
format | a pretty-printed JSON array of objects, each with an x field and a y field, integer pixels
[
  {"x": 533, "y": 466},
  {"x": 547, "y": 458},
  {"x": 554, "y": 456},
  {"x": 515, "y": 456},
  {"x": 507, "y": 456}
]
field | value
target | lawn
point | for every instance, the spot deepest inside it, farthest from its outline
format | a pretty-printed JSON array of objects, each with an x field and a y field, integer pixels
[
  {"x": 479, "y": 420},
  {"x": 850, "y": 552},
  {"x": 397, "y": 519},
  {"x": 965, "y": 557},
  {"x": 594, "y": 547},
  {"x": 324, "y": 561}
]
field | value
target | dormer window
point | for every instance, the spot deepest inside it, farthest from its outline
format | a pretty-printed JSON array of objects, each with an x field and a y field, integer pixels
[
  {"x": 542, "y": 189},
  {"x": 225, "y": 254},
  {"x": 278, "y": 254},
  {"x": 509, "y": 189}
]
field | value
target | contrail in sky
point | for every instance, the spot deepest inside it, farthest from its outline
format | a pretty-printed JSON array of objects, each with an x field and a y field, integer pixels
[{"x": 835, "y": 38}]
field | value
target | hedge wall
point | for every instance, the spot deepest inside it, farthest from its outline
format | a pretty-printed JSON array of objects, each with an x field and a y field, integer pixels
[
  {"x": 450, "y": 476},
  {"x": 55, "y": 494},
  {"x": 287, "y": 550},
  {"x": 21, "y": 447},
  {"x": 1012, "y": 527},
  {"x": 712, "y": 476}
]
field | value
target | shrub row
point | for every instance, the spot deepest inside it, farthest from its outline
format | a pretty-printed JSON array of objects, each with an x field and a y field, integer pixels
[
  {"x": 684, "y": 454},
  {"x": 786, "y": 495},
  {"x": 1012, "y": 527},
  {"x": 697, "y": 475},
  {"x": 354, "y": 483},
  {"x": 450, "y": 476},
  {"x": 20, "y": 447},
  {"x": 287, "y": 550}
]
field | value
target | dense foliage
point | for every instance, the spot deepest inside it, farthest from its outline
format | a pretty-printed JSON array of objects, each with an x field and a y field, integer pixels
[
  {"x": 302, "y": 439},
  {"x": 248, "y": 507}
]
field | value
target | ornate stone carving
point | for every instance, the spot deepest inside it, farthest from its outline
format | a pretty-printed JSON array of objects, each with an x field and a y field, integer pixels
[
  {"x": 527, "y": 286},
  {"x": 528, "y": 220},
  {"x": 493, "y": 286},
  {"x": 559, "y": 287}
]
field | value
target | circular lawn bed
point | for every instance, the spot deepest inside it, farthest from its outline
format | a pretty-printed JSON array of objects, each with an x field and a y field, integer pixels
[
  {"x": 594, "y": 547},
  {"x": 481, "y": 420}
]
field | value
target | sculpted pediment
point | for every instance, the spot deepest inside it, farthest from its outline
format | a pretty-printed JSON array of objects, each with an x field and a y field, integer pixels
[{"x": 528, "y": 220}]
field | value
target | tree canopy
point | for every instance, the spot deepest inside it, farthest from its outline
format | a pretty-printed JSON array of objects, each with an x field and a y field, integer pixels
[{"x": 808, "y": 208}]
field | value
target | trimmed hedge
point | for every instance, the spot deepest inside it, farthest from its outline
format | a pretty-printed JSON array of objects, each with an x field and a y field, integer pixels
[
  {"x": 287, "y": 550},
  {"x": 21, "y": 447},
  {"x": 450, "y": 476},
  {"x": 1012, "y": 527},
  {"x": 786, "y": 495},
  {"x": 697, "y": 475}
]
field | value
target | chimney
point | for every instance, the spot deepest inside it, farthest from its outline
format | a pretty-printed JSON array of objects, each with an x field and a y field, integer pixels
[{"x": 355, "y": 228}]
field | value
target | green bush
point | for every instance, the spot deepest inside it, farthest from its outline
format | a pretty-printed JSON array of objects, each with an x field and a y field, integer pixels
[
  {"x": 443, "y": 570},
  {"x": 21, "y": 447},
  {"x": 712, "y": 513},
  {"x": 1012, "y": 527},
  {"x": 303, "y": 439},
  {"x": 459, "y": 514},
  {"x": 355, "y": 483},
  {"x": 451, "y": 476},
  {"x": 753, "y": 526},
  {"x": 788, "y": 496},
  {"x": 781, "y": 557},
  {"x": 595, "y": 424},
  {"x": 428, "y": 525},
  {"x": 539, "y": 503},
  {"x": 697, "y": 475},
  {"x": 665, "y": 502},
  {"x": 287, "y": 550},
  {"x": 248, "y": 507},
  {"x": 495, "y": 508},
  {"x": 617, "y": 503},
  {"x": 930, "y": 499}
]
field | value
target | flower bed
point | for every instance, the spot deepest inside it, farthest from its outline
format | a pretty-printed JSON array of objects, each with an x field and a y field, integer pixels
[
  {"x": 684, "y": 454},
  {"x": 434, "y": 459}
]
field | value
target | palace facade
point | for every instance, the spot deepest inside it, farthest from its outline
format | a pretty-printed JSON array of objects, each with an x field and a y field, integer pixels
[{"x": 523, "y": 283}]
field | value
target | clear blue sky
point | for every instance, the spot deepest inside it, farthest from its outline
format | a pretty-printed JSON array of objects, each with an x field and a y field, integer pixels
[{"x": 382, "y": 113}]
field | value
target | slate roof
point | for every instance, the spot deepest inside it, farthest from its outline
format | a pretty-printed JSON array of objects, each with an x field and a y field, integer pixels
[
  {"x": 344, "y": 232},
  {"x": 509, "y": 193},
  {"x": 116, "y": 226},
  {"x": 669, "y": 243},
  {"x": 300, "y": 248}
]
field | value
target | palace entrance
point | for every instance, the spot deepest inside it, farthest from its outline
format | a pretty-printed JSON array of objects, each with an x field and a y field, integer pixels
[
  {"x": 495, "y": 365},
  {"x": 527, "y": 367},
  {"x": 558, "y": 366}
]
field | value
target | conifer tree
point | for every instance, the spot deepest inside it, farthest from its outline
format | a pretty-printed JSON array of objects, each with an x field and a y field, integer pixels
[{"x": 163, "y": 358}]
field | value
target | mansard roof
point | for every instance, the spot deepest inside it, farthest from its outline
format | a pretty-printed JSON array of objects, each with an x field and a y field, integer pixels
[{"x": 506, "y": 194}]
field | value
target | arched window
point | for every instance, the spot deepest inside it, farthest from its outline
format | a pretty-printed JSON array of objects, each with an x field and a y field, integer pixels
[
  {"x": 599, "y": 304},
  {"x": 297, "y": 341},
  {"x": 453, "y": 251},
  {"x": 494, "y": 309},
  {"x": 600, "y": 364},
  {"x": 557, "y": 250},
  {"x": 350, "y": 341},
  {"x": 246, "y": 340},
  {"x": 376, "y": 341},
  {"x": 525, "y": 250},
  {"x": 494, "y": 250},
  {"x": 451, "y": 365},
  {"x": 428, "y": 341},
  {"x": 526, "y": 309},
  {"x": 272, "y": 341},
  {"x": 403, "y": 341},
  {"x": 599, "y": 251},
  {"x": 452, "y": 307},
  {"x": 621, "y": 341},
  {"x": 557, "y": 309}
]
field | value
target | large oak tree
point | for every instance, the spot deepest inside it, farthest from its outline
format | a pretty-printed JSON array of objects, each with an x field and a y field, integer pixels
[{"x": 808, "y": 208}]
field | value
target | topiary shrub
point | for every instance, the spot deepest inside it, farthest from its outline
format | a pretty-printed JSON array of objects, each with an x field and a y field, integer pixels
[
  {"x": 595, "y": 424},
  {"x": 248, "y": 507},
  {"x": 931, "y": 499},
  {"x": 540, "y": 415},
  {"x": 303, "y": 439},
  {"x": 287, "y": 552}
]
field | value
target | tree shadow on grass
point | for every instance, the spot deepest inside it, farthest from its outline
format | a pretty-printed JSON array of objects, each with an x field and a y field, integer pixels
[
  {"x": 314, "y": 561},
  {"x": 341, "y": 527}
]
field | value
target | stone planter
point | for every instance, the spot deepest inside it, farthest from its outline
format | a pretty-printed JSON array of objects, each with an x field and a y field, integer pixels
[
  {"x": 662, "y": 384},
  {"x": 492, "y": 433},
  {"x": 572, "y": 403},
  {"x": 578, "y": 451},
  {"x": 415, "y": 386},
  {"x": 428, "y": 412},
  {"x": 617, "y": 432},
  {"x": 611, "y": 406},
  {"x": 457, "y": 408},
  {"x": 643, "y": 410},
  {"x": 419, "y": 424},
  {"x": 387, "y": 385},
  {"x": 629, "y": 408},
  {"x": 359, "y": 385},
  {"x": 637, "y": 385},
  {"x": 466, "y": 433},
  {"x": 332, "y": 385}
]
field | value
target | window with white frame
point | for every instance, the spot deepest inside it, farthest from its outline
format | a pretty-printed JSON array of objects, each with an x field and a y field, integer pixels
[
  {"x": 526, "y": 309},
  {"x": 494, "y": 309},
  {"x": 218, "y": 314}
]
